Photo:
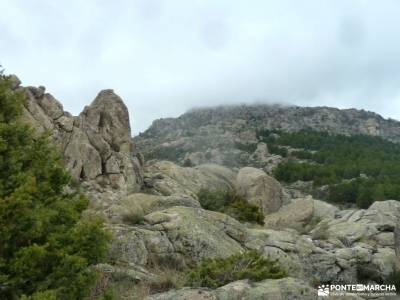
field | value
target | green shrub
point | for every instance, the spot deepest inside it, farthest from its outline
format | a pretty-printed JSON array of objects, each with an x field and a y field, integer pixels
[
  {"x": 108, "y": 294},
  {"x": 216, "y": 272},
  {"x": 302, "y": 154},
  {"x": 162, "y": 280},
  {"x": 274, "y": 149},
  {"x": 165, "y": 279},
  {"x": 244, "y": 212},
  {"x": 228, "y": 203},
  {"x": 394, "y": 278},
  {"x": 210, "y": 272},
  {"x": 246, "y": 147},
  {"x": 367, "y": 273},
  {"x": 213, "y": 200},
  {"x": 188, "y": 163},
  {"x": 46, "y": 247}
]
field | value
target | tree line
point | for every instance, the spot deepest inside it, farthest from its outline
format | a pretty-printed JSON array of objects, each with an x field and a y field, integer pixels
[{"x": 359, "y": 169}]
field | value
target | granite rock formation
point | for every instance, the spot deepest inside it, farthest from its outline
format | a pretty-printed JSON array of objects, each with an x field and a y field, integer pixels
[{"x": 96, "y": 145}]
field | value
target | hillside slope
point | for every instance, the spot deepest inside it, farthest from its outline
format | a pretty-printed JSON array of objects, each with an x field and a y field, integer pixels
[
  {"x": 176, "y": 224},
  {"x": 220, "y": 134}
]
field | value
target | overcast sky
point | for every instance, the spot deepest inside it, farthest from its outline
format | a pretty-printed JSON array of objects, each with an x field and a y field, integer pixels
[{"x": 166, "y": 56}]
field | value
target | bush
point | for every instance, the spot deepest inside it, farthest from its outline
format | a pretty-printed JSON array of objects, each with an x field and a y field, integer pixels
[
  {"x": 210, "y": 272},
  {"x": 213, "y": 200},
  {"x": 244, "y": 212},
  {"x": 188, "y": 163},
  {"x": 216, "y": 272},
  {"x": 46, "y": 248},
  {"x": 367, "y": 273},
  {"x": 162, "y": 280},
  {"x": 302, "y": 154},
  {"x": 228, "y": 203},
  {"x": 246, "y": 147},
  {"x": 394, "y": 278},
  {"x": 282, "y": 151}
]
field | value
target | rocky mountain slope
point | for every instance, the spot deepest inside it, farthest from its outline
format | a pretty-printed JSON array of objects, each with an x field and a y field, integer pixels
[
  {"x": 152, "y": 208},
  {"x": 218, "y": 135}
]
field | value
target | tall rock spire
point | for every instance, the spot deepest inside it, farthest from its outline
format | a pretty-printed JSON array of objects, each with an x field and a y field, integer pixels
[{"x": 97, "y": 145}]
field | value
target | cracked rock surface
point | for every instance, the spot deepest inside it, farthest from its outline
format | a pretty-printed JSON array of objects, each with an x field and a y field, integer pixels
[{"x": 96, "y": 145}]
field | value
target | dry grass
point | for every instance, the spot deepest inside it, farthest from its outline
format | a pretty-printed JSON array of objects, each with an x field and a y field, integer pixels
[{"x": 164, "y": 279}]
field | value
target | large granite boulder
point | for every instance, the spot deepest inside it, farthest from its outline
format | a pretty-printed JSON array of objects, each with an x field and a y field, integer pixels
[
  {"x": 324, "y": 210},
  {"x": 168, "y": 178},
  {"x": 260, "y": 189},
  {"x": 294, "y": 215}
]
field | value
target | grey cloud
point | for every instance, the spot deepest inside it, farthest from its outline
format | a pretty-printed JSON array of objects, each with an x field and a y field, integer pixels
[{"x": 167, "y": 56}]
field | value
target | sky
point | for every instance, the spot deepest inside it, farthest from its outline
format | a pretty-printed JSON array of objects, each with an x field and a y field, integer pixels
[{"x": 164, "y": 57}]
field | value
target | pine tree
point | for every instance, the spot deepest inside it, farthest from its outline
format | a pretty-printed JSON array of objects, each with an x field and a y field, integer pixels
[{"x": 46, "y": 247}]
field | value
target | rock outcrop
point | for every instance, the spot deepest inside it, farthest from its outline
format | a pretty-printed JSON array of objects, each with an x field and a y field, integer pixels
[
  {"x": 138, "y": 204},
  {"x": 260, "y": 189},
  {"x": 180, "y": 234},
  {"x": 97, "y": 145},
  {"x": 337, "y": 249}
]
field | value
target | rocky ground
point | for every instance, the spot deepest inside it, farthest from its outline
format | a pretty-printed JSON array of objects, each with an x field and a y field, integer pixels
[{"x": 153, "y": 212}]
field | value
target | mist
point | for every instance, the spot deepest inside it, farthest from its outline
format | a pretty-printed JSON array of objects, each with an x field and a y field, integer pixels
[{"x": 165, "y": 57}]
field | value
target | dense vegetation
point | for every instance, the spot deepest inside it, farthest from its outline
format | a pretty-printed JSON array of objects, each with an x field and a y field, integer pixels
[
  {"x": 394, "y": 278},
  {"x": 216, "y": 272},
  {"x": 359, "y": 169},
  {"x": 232, "y": 205},
  {"x": 210, "y": 272},
  {"x": 46, "y": 247}
]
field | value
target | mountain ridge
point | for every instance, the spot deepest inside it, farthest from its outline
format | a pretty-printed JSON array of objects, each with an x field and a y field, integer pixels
[
  {"x": 211, "y": 135},
  {"x": 266, "y": 110}
]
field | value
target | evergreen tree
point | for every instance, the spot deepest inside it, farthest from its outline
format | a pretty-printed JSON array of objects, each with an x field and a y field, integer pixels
[
  {"x": 46, "y": 247},
  {"x": 359, "y": 169}
]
